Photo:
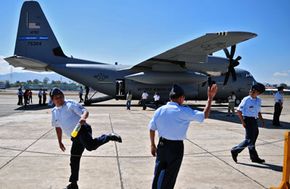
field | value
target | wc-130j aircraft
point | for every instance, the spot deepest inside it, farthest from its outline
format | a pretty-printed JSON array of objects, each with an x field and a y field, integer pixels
[{"x": 191, "y": 64}]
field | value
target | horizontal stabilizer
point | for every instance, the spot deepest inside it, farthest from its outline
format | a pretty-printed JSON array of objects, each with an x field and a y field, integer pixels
[{"x": 27, "y": 63}]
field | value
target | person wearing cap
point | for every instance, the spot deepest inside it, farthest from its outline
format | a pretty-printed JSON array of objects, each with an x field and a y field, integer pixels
[
  {"x": 65, "y": 116},
  {"x": 248, "y": 112},
  {"x": 171, "y": 121},
  {"x": 278, "y": 97}
]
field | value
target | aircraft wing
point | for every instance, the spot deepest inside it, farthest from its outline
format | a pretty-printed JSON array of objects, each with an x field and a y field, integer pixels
[
  {"x": 194, "y": 51},
  {"x": 27, "y": 63}
]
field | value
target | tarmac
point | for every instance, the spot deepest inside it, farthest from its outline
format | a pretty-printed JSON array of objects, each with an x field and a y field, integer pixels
[{"x": 30, "y": 157}]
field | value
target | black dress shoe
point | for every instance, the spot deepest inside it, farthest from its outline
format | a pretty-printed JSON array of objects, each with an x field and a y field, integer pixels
[
  {"x": 234, "y": 156},
  {"x": 258, "y": 160},
  {"x": 72, "y": 185},
  {"x": 115, "y": 137}
]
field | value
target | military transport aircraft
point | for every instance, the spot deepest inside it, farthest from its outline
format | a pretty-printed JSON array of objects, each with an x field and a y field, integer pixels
[{"x": 191, "y": 64}]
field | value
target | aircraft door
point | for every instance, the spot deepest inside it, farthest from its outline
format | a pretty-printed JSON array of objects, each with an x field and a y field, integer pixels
[{"x": 120, "y": 89}]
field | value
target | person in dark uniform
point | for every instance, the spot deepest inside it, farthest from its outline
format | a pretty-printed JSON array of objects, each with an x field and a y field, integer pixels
[
  {"x": 20, "y": 96},
  {"x": 172, "y": 121},
  {"x": 249, "y": 111},
  {"x": 65, "y": 116},
  {"x": 278, "y": 97},
  {"x": 87, "y": 93},
  {"x": 40, "y": 96},
  {"x": 44, "y": 97},
  {"x": 81, "y": 94}
]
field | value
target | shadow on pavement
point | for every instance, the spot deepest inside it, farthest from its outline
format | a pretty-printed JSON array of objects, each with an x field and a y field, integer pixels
[
  {"x": 33, "y": 107},
  {"x": 273, "y": 167}
]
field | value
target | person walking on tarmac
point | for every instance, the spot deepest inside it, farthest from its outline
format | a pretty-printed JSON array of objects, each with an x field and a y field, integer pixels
[
  {"x": 65, "y": 116},
  {"x": 172, "y": 121},
  {"x": 278, "y": 97},
  {"x": 248, "y": 111}
]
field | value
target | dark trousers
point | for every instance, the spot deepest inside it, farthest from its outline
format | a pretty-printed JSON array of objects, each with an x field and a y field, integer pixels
[
  {"x": 83, "y": 141},
  {"x": 168, "y": 162},
  {"x": 252, "y": 132},
  {"x": 143, "y": 103},
  {"x": 81, "y": 97},
  {"x": 277, "y": 113},
  {"x": 39, "y": 100},
  {"x": 128, "y": 104},
  {"x": 20, "y": 100}
]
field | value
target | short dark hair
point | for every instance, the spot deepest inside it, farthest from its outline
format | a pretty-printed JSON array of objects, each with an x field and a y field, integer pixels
[
  {"x": 55, "y": 91},
  {"x": 258, "y": 87},
  {"x": 280, "y": 88},
  {"x": 176, "y": 92}
]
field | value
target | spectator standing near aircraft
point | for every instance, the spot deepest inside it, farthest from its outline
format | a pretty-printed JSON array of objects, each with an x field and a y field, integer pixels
[
  {"x": 30, "y": 97},
  {"x": 44, "y": 96},
  {"x": 81, "y": 92},
  {"x": 231, "y": 104},
  {"x": 129, "y": 99},
  {"x": 20, "y": 96},
  {"x": 40, "y": 96},
  {"x": 144, "y": 98},
  {"x": 156, "y": 98},
  {"x": 87, "y": 93},
  {"x": 278, "y": 97}
]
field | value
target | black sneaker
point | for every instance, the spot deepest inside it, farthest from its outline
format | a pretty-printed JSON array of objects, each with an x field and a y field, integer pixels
[
  {"x": 72, "y": 185},
  {"x": 115, "y": 137},
  {"x": 234, "y": 156},
  {"x": 258, "y": 160}
]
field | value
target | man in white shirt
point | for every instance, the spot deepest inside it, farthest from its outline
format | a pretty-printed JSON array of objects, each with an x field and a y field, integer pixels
[
  {"x": 172, "y": 121},
  {"x": 249, "y": 111},
  {"x": 65, "y": 116},
  {"x": 278, "y": 97},
  {"x": 144, "y": 99},
  {"x": 156, "y": 99}
]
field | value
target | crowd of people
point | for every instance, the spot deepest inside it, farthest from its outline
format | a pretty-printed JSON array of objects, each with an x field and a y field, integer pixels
[{"x": 25, "y": 98}]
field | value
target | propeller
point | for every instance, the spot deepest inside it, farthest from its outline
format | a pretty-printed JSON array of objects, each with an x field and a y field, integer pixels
[{"x": 233, "y": 63}]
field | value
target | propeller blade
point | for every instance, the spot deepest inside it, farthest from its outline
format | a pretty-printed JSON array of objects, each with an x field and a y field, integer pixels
[
  {"x": 233, "y": 50},
  {"x": 226, "y": 78},
  {"x": 238, "y": 58},
  {"x": 226, "y": 52},
  {"x": 233, "y": 72}
]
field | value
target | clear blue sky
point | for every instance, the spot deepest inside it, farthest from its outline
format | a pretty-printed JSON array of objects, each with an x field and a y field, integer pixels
[{"x": 130, "y": 31}]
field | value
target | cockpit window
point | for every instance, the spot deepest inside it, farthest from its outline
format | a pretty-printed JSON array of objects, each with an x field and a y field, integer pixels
[{"x": 248, "y": 75}]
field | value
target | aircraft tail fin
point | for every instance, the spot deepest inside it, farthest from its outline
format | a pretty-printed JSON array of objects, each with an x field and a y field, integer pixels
[{"x": 35, "y": 38}]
